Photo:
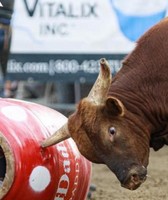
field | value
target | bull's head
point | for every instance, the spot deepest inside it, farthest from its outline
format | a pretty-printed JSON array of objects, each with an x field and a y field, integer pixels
[{"x": 106, "y": 132}]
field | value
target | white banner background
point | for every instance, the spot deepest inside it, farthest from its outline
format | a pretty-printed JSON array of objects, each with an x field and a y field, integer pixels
[{"x": 83, "y": 26}]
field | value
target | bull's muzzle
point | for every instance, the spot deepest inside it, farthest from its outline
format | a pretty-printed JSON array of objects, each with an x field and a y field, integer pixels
[{"x": 135, "y": 178}]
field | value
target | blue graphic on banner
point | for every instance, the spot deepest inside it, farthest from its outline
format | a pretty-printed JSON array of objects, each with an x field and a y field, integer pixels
[{"x": 133, "y": 26}]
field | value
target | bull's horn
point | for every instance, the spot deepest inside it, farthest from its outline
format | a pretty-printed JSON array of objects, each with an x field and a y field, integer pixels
[
  {"x": 60, "y": 135},
  {"x": 101, "y": 86}
]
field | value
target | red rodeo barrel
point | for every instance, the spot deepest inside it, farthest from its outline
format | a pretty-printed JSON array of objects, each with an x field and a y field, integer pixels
[{"x": 29, "y": 172}]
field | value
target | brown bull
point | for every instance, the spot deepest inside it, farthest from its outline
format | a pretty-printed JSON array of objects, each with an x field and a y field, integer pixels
[{"x": 121, "y": 118}]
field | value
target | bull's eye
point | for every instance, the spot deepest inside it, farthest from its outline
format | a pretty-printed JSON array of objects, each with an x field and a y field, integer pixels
[{"x": 112, "y": 131}]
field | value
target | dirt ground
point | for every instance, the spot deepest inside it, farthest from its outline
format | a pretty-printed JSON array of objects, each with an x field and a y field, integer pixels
[{"x": 154, "y": 188}]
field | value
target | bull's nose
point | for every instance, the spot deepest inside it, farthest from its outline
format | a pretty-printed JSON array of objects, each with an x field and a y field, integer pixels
[
  {"x": 139, "y": 172},
  {"x": 135, "y": 178}
]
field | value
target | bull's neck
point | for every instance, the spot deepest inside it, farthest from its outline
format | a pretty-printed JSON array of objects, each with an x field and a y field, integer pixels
[{"x": 142, "y": 82}]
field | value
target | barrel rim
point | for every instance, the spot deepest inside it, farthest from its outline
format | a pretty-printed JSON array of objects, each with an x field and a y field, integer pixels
[{"x": 10, "y": 166}]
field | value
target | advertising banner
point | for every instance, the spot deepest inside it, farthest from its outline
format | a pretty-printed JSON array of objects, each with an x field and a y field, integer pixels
[{"x": 55, "y": 38}]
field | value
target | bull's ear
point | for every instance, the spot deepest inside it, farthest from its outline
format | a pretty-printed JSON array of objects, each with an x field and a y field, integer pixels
[{"x": 114, "y": 106}]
